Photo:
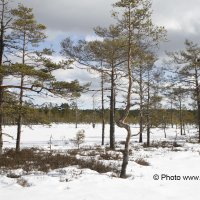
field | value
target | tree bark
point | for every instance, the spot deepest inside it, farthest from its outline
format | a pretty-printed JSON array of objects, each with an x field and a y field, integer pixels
[
  {"x": 112, "y": 111},
  {"x": 148, "y": 111},
  {"x": 19, "y": 120},
  {"x": 197, "y": 100},
  {"x": 180, "y": 115},
  {"x": 1, "y": 118},
  {"x": 76, "y": 114},
  {"x": 21, "y": 94},
  {"x": 1, "y": 77},
  {"x": 102, "y": 108},
  {"x": 126, "y": 151},
  {"x": 141, "y": 106},
  {"x": 172, "y": 124}
]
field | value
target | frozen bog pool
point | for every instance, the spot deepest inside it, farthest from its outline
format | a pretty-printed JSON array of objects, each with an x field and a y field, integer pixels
[
  {"x": 61, "y": 134},
  {"x": 38, "y": 135},
  {"x": 170, "y": 166}
]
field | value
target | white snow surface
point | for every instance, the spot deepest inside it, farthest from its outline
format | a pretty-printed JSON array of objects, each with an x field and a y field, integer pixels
[{"x": 72, "y": 183}]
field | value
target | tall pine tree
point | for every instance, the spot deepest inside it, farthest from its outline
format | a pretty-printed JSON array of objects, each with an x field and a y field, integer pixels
[{"x": 27, "y": 34}]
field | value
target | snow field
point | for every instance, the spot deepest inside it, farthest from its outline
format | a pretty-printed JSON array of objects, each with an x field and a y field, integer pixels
[{"x": 72, "y": 183}]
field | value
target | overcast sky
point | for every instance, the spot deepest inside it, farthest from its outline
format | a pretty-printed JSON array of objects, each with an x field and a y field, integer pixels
[{"x": 77, "y": 18}]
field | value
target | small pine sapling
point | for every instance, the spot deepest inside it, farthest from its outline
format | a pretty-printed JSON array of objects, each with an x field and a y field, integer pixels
[{"x": 80, "y": 138}]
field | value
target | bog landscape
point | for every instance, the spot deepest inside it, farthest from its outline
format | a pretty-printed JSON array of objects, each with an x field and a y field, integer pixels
[{"x": 108, "y": 109}]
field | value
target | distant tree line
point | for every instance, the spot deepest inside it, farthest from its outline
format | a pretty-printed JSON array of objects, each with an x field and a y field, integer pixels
[{"x": 64, "y": 113}]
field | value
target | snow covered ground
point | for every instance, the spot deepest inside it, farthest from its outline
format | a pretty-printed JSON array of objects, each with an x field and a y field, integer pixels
[{"x": 171, "y": 166}]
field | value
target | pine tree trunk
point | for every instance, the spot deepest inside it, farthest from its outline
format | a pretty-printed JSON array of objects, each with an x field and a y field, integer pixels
[
  {"x": 181, "y": 117},
  {"x": 102, "y": 108},
  {"x": 148, "y": 132},
  {"x": 94, "y": 113},
  {"x": 112, "y": 111},
  {"x": 19, "y": 120},
  {"x": 141, "y": 106},
  {"x": 1, "y": 141},
  {"x": 76, "y": 116},
  {"x": 197, "y": 100},
  {"x": 1, "y": 121},
  {"x": 1, "y": 118},
  {"x": 141, "y": 126},
  {"x": 199, "y": 119},
  {"x": 19, "y": 129},
  {"x": 148, "y": 126},
  {"x": 103, "y": 132},
  {"x": 172, "y": 124},
  {"x": 148, "y": 112},
  {"x": 2, "y": 29},
  {"x": 126, "y": 153},
  {"x": 1, "y": 109}
]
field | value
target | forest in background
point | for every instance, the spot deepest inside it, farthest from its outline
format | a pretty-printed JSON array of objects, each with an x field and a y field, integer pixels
[{"x": 64, "y": 113}]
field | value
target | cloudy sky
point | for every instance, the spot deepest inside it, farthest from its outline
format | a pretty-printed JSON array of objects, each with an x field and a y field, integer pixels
[{"x": 77, "y": 18}]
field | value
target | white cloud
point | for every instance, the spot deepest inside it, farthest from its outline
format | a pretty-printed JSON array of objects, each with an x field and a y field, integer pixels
[
  {"x": 90, "y": 38},
  {"x": 172, "y": 25}
]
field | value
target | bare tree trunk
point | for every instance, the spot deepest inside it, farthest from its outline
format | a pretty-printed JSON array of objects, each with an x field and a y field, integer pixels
[
  {"x": 19, "y": 129},
  {"x": 197, "y": 100},
  {"x": 141, "y": 106},
  {"x": 19, "y": 120},
  {"x": 199, "y": 119},
  {"x": 1, "y": 117},
  {"x": 148, "y": 131},
  {"x": 172, "y": 124},
  {"x": 1, "y": 121},
  {"x": 1, "y": 93},
  {"x": 164, "y": 127},
  {"x": 1, "y": 77},
  {"x": 148, "y": 112},
  {"x": 102, "y": 108},
  {"x": 126, "y": 151},
  {"x": 184, "y": 132},
  {"x": 94, "y": 113},
  {"x": 112, "y": 111},
  {"x": 1, "y": 113},
  {"x": 76, "y": 114},
  {"x": 141, "y": 125},
  {"x": 1, "y": 141},
  {"x": 180, "y": 115}
]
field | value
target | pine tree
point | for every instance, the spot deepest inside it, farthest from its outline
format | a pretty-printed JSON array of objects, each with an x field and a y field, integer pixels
[
  {"x": 5, "y": 20},
  {"x": 137, "y": 26},
  {"x": 110, "y": 51},
  {"x": 26, "y": 33},
  {"x": 187, "y": 66},
  {"x": 103, "y": 57}
]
